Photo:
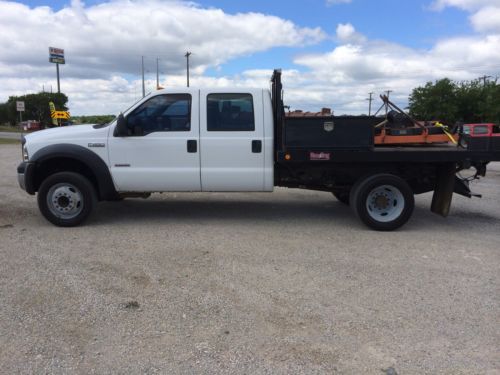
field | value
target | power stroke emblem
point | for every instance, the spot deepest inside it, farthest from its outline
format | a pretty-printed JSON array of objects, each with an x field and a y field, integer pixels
[
  {"x": 97, "y": 145},
  {"x": 328, "y": 126}
]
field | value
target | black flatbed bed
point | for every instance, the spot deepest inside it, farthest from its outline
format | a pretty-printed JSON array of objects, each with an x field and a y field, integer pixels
[{"x": 416, "y": 154}]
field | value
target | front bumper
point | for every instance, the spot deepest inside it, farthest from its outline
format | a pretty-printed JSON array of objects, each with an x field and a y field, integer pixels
[{"x": 25, "y": 176}]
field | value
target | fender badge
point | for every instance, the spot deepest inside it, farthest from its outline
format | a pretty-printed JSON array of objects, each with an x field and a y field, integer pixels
[
  {"x": 319, "y": 155},
  {"x": 328, "y": 126},
  {"x": 96, "y": 145}
]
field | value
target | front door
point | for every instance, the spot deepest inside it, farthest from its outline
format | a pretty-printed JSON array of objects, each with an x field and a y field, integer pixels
[
  {"x": 231, "y": 140},
  {"x": 161, "y": 152}
]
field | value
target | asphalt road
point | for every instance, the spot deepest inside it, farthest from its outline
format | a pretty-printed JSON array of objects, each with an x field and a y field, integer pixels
[
  {"x": 10, "y": 135},
  {"x": 282, "y": 283}
]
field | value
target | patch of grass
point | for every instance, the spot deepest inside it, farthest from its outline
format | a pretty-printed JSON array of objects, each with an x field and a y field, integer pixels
[
  {"x": 8, "y": 141},
  {"x": 8, "y": 128}
]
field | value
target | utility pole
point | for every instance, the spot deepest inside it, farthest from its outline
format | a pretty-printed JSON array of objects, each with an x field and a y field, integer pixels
[
  {"x": 187, "y": 65},
  {"x": 388, "y": 92},
  {"x": 370, "y": 99},
  {"x": 485, "y": 98},
  {"x": 143, "y": 86},
  {"x": 484, "y": 78},
  {"x": 157, "y": 75}
]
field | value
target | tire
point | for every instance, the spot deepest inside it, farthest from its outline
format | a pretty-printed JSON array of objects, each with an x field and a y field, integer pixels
[
  {"x": 342, "y": 197},
  {"x": 383, "y": 202},
  {"x": 66, "y": 199}
]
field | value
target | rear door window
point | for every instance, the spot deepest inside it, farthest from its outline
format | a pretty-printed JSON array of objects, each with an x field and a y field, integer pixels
[{"x": 230, "y": 112}]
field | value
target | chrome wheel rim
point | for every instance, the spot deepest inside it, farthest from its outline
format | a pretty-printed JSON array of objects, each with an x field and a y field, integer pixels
[
  {"x": 65, "y": 201},
  {"x": 385, "y": 203}
]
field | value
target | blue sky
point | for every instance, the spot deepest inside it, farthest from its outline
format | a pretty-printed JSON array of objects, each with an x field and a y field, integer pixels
[{"x": 333, "y": 52}]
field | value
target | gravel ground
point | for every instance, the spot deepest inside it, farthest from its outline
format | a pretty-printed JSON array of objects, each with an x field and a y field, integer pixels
[{"x": 285, "y": 283}]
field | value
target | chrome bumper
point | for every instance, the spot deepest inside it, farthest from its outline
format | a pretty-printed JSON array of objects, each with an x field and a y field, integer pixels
[
  {"x": 21, "y": 181},
  {"x": 25, "y": 177}
]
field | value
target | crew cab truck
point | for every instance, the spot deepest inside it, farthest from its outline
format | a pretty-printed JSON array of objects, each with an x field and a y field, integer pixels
[{"x": 237, "y": 140}]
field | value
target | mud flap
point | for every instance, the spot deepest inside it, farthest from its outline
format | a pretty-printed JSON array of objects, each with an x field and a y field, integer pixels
[{"x": 443, "y": 193}]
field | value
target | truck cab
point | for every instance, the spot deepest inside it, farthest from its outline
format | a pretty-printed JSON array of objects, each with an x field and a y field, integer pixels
[
  {"x": 482, "y": 130},
  {"x": 194, "y": 140}
]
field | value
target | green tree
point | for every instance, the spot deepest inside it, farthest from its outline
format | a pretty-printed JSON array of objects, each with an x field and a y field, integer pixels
[
  {"x": 468, "y": 101},
  {"x": 435, "y": 101},
  {"x": 93, "y": 119},
  {"x": 37, "y": 107}
]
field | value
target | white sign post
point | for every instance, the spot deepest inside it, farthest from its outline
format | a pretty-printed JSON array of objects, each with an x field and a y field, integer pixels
[
  {"x": 20, "y": 108},
  {"x": 56, "y": 55}
]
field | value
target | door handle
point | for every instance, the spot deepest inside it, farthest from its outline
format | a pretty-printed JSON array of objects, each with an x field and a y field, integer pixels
[
  {"x": 256, "y": 146},
  {"x": 192, "y": 146}
]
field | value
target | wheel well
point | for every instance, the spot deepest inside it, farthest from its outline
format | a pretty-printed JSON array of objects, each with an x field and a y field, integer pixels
[{"x": 55, "y": 165}]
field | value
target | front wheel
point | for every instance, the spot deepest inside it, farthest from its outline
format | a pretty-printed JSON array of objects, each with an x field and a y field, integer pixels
[
  {"x": 383, "y": 202},
  {"x": 66, "y": 199}
]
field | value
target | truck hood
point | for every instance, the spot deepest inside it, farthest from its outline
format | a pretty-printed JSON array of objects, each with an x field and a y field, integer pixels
[{"x": 68, "y": 133}]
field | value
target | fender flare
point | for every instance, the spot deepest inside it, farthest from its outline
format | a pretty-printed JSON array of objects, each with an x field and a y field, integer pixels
[{"x": 106, "y": 187}]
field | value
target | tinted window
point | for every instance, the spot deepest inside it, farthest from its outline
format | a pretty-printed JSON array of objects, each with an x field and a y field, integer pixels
[
  {"x": 482, "y": 129},
  {"x": 230, "y": 112},
  {"x": 162, "y": 113}
]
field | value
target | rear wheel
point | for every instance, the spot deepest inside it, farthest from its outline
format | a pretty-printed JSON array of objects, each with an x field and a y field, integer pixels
[
  {"x": 66, "y": 199},
  {"x": 383, "y": 202}
]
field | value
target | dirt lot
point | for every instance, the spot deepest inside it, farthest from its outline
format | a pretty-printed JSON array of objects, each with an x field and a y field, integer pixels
[{"x": 287, "y": 282}]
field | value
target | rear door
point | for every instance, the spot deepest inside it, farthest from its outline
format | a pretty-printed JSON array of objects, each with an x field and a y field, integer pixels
[{"x": 231, "y": 140}]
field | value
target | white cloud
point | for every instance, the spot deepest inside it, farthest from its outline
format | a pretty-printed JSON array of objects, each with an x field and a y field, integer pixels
[
  {"x": 347, "y": 33},
  {"x": 469, "y": 5},
  {"x": 485, "y": 13},
  {"x": 487, "y": 19},
  {"x": 107, "y": 40},
  {"x": 343, "y": 77},
  {"x": 104, "y": 43},
  {"x": 336, "y": 2}
]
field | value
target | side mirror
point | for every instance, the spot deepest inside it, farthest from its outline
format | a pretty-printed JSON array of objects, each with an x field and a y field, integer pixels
[{"x": 121, "y": 127}]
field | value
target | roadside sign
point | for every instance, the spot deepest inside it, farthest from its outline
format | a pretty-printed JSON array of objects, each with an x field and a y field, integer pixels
[
  {"x": 56, "y": 55},
  {"x": 60, "y": 115},
  {"x": 20, "y": 106}
]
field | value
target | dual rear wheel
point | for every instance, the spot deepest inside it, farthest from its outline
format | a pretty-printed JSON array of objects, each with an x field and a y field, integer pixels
[{"x": 383, "y": 202}]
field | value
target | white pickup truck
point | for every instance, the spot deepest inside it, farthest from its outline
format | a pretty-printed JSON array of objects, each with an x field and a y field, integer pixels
[{"x": 237, "y": 140}]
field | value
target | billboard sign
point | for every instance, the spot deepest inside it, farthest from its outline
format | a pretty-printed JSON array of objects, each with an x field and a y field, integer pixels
[{"x": 56, "y": 55}]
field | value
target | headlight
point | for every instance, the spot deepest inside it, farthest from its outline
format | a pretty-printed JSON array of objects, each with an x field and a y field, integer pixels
[{"x": 25, "y": 154}]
